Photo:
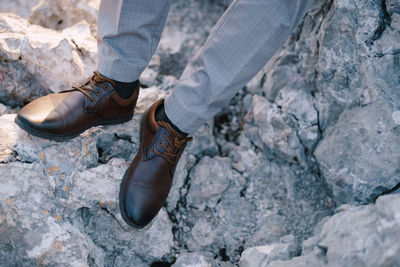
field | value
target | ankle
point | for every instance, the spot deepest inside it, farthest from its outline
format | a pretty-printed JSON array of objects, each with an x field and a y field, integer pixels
[
  {"x": 126, "y": 90},
  {"x": 162, "y": 116}
]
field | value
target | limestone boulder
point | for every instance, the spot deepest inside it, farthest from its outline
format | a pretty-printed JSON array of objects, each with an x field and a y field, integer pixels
[
  {"x": 262, "y": 255},
  {"x": 359, "y": 155},
  {"x": 43, "y": 59},
  {"x": 356, "y": 236},
  {"x": 59, "y": 15},
  {"x": 37, "y": 226}
]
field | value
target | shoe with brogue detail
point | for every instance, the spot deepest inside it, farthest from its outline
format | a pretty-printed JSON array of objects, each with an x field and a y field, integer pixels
[
  {"x": 147, "y": 181},
  {"x": 65, "y": 115}
]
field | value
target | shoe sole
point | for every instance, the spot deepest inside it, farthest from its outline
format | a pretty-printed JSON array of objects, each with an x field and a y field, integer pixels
[{"x": 67, "y": 137}]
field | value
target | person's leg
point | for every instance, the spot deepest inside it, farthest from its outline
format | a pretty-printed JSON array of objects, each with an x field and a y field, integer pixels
[
  {"x": 128, "y": 35},
  {"x": 244, "y": 39},
  {"x": 242, "y": 42}
]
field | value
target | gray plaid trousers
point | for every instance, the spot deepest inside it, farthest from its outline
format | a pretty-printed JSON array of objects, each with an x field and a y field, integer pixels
[{"x": 246, "y": 36}]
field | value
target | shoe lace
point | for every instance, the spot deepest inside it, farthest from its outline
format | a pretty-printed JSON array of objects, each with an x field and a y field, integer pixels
[
  {"x": 89, "y": 85},
  {"x": 175, "y": 142}
]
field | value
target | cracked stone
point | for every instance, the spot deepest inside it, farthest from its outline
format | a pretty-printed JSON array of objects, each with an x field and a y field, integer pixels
[
  {"x": 57, "y": 59},
  {"x": 395, "y": 22},
  {"x": 357, "y": 156},
  {"x": 274, "y": 129},
  {"x": 360, "y": 230},
  {"x": 262, "y": 255},
  {"x": 392, "y": 6},
  {"x": 59, "y": 15},
  {"x": 210, "y": 178}
]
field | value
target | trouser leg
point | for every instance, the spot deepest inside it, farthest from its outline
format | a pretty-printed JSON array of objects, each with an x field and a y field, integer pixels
[
  {"x": 247, "y": 35},
  {"x": 128, "y": 35}
]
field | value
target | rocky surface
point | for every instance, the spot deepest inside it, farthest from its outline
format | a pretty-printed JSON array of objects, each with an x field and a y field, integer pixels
[
  {"x": 368, "y": 236},
  {"x": 58, "y": 15},
  {"x": 262, "y": 255},
  {"x": 318, "y": 127},
  {"x": 42, "y": 59}
]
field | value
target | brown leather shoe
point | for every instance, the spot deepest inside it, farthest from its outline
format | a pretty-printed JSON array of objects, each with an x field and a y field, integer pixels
[
  {"x": 147, "y": 181},
  {"x": 67, "y": 114}
]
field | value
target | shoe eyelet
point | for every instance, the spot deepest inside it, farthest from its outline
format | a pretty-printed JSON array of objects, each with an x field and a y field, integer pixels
[
  {"x": 91, "y": 100},
  {"x": 164, "y": 134},
  {"x": 160, "y": 143},
  {"x": 106, "y": 87},
  {"x": 97, "y": 92},
  {"x": 154, "y": 150}
]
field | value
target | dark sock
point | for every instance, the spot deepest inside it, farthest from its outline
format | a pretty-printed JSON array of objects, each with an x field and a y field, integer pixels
[
  {"x": 125, "y": 90},
  {"x": 161, "y": 116}
]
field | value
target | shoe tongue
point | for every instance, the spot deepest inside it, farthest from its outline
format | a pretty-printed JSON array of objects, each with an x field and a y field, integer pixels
[
  {"x": 169, "y": 129},
  {"x": 176, "y": 137}
]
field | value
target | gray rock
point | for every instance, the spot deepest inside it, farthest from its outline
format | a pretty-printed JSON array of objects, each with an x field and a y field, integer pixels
[
  {"x": 195, "y": 259},
  {"x": 392, "y": 6},
  {"x": 288, "y": 200},
  {"x": 358, "y": 155},
  {"x": 395, "y": 23},
  {"x": 97, "y": 186},
  {"x": 59, "y": 15},
  {"x": 8, "y": 136},
  {"x": 270, "y": 228},
  {"x": 262, "y": 255},
  {"x": 21, "y": 8},
  {"x": 211, "y": 224},
  {"x": 191, "y": 260},
  {"x": 329, "y": 72},
  {"x": 210, "y": 178},
  {"x": 246, "y": 211},
  {"x": 274, "y": 129},
  {"x": 357, "y": 236},
  {"x": 55, "y": 59},
  {"x": 299, "y": 104},
  {"x": 203, "y": 143},
  {"x": 70, "y": 230},
  {"x": 17, "y": 85},
  {"x": 309, "y": 136},
  {"x": 243, "y": 158},
  {"x": 3, "y": 109},
  {"x": 32, "y": 224}
]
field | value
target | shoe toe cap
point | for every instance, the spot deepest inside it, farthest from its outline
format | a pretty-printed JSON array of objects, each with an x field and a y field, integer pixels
[
  {"x": 140, "y": 207},
  {"x": 39, "y": 111},
  {"x": 35, "y": 118},
  {"x": 137, "y": 216},
  {"x": 51, "y": 113}
]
